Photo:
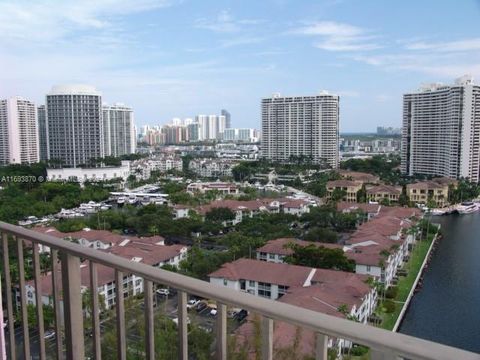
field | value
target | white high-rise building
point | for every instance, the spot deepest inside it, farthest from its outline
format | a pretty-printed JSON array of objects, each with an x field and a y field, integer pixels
[
  {"x": 18, "y": 132},
  {"x": 119, "y": 130},
  {"x": 301, "y": 126},
  {"x": 441, "y": 130},
  {"x": 212, "y": 127},
  {"x": 75, "y": 125},
  {"x": 202, "y": 121}
]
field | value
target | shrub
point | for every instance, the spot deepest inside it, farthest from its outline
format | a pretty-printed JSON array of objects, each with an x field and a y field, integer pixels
[
  {"x": 359, "y": 350},
  {"x": 391, "y": 292},
  {"x": 388, "y": 306}
]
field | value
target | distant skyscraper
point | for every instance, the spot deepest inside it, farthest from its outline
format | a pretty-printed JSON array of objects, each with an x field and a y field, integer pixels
[
  {"x": 119, "y": 130},
  {"x": 42, "y": 132},
  {"x": 193, "y": 131},
  {"x": 221, "y": 125},
  {"x": 228, "y": 118},
  {"x": 18, "y": 132},
  {"x": 212, "y": 127},
  {"x": 74, "y": 123},
  {"x": 202, "y": 121},
  {"x": 301, "y": 126},
  {"x": 441, "y": 130}
]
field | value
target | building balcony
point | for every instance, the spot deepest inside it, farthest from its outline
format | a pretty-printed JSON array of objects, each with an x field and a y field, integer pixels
[{"x": 66, "y": 260}]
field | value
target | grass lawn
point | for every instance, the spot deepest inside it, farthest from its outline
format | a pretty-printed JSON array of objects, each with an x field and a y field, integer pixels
[{"x": 405, "y": 283}]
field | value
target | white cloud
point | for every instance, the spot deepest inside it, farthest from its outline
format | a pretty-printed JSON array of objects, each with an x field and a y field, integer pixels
[
  {"x": 450, "y": 46},
  {"x": 47, "y": 20},
  {"x": 335, "y": 36},
  {"x": 225, "y": 23},
  {"x": 241, "y": 41}
]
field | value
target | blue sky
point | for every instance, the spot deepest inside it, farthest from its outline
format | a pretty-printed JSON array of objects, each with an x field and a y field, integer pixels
[{"x": 171, "y": 58}]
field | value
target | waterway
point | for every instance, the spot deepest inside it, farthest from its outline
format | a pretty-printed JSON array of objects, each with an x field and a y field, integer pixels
[{"x": 447, "y": 308}]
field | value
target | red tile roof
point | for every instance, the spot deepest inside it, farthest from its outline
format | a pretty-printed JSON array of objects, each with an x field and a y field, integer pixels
[
  {"x": 385, "y": 189},
  {"x": 348, "y": 207},
  {"x": 262, "y": 271},
  {"x": 343, "y": 183},
  {"x": 278, "y": 246}
]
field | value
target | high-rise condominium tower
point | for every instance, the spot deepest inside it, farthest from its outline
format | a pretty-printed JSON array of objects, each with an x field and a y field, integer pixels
[
  {"x": 118, "y": 130},
  {"x": 74, "y": 124},
  {"x": 301, "y": 126},
  {"x": 228, "y": 119},
  {"x": 42, "y": 132},
  {"x": 18, "y": 132},
  {"x": 441, "y": 130}
]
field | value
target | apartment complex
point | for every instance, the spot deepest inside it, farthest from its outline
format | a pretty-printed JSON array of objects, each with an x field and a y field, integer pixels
[
  {"x": 74, "y": 124},
  {"x": 441, "y": 130},
  {"x": 18, "y": 132},
  {"x": 384, "y": 192},
  {"x": 119, "y": 130},
  {"x": 422, "y": 192},
  {"x": 301, "y": 126},
  {"x": 349, "y": 188}
]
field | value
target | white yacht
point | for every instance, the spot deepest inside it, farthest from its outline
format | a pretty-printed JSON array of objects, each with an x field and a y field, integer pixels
[
  {"x": 467, "y": 207},
  {"x": 121, "y": 200},
  {"x": 132, "y": 200}
]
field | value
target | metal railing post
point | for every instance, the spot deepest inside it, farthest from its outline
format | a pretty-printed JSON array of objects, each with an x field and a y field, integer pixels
[
  {"x": 23, "y": 299},
  {"x": 321, "y": 347},
  {"x": 221, "y": 353},
  {"x": 120, "y": 310},
  {"x": 8, "y": 298},
  {"x": 149, "y": 325},
  {"x": 97, "y": 348},
  {"x": 39, "y": 301},
  {"x": 182, "y": 326},
  {"x": 267, "y": 338},
  {"x": 72, "y": 307},
  {"x": 56, "y": 304}
]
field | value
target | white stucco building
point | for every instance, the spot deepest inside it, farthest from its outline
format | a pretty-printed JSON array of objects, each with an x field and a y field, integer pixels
[
  {"x": 90, "y": 174},
  {"x": 19, "y": 142},
  {"x": 441, "y": 130}
]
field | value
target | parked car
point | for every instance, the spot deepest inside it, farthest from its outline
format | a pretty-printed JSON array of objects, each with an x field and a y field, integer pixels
[
  {"x": 201, "y": 306},
  {"x": 241, "y": 315},
  {"x": 192, "y": 303},
  {"x": 163, "y": 292},
  {"x": 49, "y": 334},
  {"x": 213, "y": 312},
  {"x": 232, "y": 313}
]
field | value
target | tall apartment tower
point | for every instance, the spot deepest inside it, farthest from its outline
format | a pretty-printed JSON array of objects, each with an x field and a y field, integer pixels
[
  {"x": 441, "y": 130},
  {"x": 42, "y": 132},
  {"x": 301, "y": 126},
  {"x": 18, "y": 132},
  {"x": 228, "y": 118},
  {"x": 74, "y": 124},
  {"x": 212, "y": 127},
  {"x": 118, "y": 130},
  {"x": 202, "y": 121}
]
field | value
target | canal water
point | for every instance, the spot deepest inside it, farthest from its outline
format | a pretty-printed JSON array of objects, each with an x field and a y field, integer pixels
[{"x": 447, "y": 308}]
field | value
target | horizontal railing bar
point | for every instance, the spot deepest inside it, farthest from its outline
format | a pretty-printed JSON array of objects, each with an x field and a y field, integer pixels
[{"x": 386, "y": 341}]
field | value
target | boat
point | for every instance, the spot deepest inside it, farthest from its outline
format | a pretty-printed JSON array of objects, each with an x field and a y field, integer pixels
[
  {"x": 467, "y": 207},
  {"x": 105, "y": 206},
  {"x": 132, "y": 199},
  {"x": 437, "y": 212},
  {"x": 146, "y": 201},
  {"x": 121, "y": 200}
]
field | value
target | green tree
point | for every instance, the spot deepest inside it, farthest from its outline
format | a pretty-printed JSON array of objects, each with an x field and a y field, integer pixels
[
  {"x": 319, "y": 257},
  {"x": 220, "y": 214}
]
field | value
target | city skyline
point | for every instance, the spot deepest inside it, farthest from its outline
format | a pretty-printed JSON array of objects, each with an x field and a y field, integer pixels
[{"x": 175, "y": 59}]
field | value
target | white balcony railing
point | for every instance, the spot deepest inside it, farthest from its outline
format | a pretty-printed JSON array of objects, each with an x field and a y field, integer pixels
[{"x": 383, "y": 344}]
